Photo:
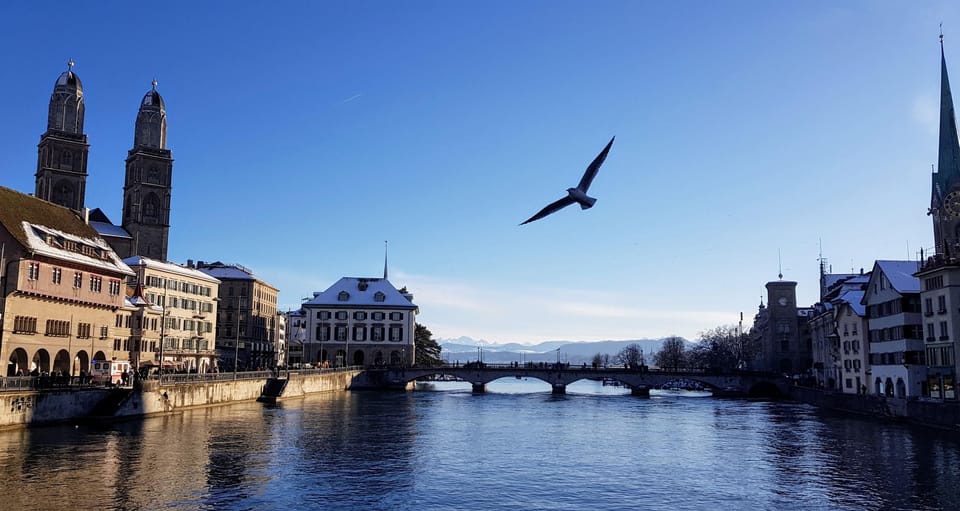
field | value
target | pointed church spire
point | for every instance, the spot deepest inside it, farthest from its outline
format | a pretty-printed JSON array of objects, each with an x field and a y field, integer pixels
[
  {"x": 384, "y": 259},
  {"x": 948, "y": 165}
]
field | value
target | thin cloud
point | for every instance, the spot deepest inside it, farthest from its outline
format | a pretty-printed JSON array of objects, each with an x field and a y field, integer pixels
[
  {"x": 483, "y": 311},
  {"x": 351, "y": 98}
]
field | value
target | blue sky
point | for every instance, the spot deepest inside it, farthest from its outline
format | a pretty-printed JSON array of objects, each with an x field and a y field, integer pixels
[{"x": 306, "y": 133}]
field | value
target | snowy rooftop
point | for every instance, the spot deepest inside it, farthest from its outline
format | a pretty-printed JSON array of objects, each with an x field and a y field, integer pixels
[
  {"x": 900, "y": 275},
  {"x": 228, "y": 273},
  {"x": 38, "y": 237},
  {"x": 108, "y": 229},
  {"x": 360, "y": 292},
  {"x": 852, "y": 298},
  {"x": 170, "y": 268}
]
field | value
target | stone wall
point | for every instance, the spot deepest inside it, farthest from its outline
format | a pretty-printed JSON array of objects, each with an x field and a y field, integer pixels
[
  {"x": 917, "y": 411},
  {"x": 29, "y": 408},
  {"x": 18, "y": 409}
]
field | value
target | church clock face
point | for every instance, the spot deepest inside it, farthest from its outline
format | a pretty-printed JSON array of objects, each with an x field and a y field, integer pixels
[{"x": 951, "y": 204}]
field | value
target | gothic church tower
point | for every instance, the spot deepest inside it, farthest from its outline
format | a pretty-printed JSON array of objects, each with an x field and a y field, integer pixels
[
  {"x": 61, "y": 175},
  {"x": 945, "y": 196},
  {"x": 148, "y": 182}
]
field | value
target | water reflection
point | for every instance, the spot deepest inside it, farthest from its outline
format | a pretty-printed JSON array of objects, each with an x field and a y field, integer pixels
[{"x": 444, "y": 447}]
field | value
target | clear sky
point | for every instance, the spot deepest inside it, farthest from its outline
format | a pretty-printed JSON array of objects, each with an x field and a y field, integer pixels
[{"x": 306, "y": 133}]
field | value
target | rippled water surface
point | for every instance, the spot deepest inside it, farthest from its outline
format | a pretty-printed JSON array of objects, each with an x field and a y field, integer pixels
[{"x": 515, "y": 447}]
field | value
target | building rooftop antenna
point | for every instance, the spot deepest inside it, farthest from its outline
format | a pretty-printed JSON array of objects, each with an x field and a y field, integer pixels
[{"x": 779, "y": 266}]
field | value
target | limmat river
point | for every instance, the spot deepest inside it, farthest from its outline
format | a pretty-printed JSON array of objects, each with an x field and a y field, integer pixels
[{"x": 515, "y": 447}]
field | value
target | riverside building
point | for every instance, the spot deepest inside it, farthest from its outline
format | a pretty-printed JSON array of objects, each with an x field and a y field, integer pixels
[
  {"x": 362, "y": 322},
  {"x": 940, "y": 272},
  {"x": 183, "y": 301},
  {"x": 247, "y": 322},
  {"x": 62, "y": 290}
]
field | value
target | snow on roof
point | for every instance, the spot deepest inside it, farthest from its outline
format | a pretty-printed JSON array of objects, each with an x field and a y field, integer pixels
[
  {"x": 174, "y": 268},
  {"x": 830, "y": 279},
  {"x": 37, "y": 236},
  {"x": 852, "y": 298},
  {"x": 108, "y": 229},
  {"x": 361, "y": 292},
  {"x": 900, "y": 275},
  {"x": 228, "y": 272}
]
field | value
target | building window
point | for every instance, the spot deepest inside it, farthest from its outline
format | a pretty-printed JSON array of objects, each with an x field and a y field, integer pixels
[
  {"x": 323, "y": 315},
  {"x": 396, "y": 316},
  {"x": 343, "y": 296},
  {"x": 378, "y": 316},
  {"x": 24, "y": 325},
  {"x": 57, "y": 275},
  {"x": 323, "y": 333},
  {"x": 340, "y": 333},
  {"x": 34, "y": 271},
  {"x": 379, "y": 296},
  {"x": 83, "y": 330},
  {"x": 943, "y": 331},
  {"x": 96, "y": 283},
  {"x": 376, "y": 333},
  {"x": 77, "y": 279},
  {"x": 57, "y": 328},
  {"x": 114, "y": 287},
  {"x": 396, "y": 333},
  {"x": 941, "y": 304},
  {"x": 359, "y": 333},
  {"x": 341, "y": 315},
  {"x": 928, "y": 306},
  {"x": 359, "y": 316}
]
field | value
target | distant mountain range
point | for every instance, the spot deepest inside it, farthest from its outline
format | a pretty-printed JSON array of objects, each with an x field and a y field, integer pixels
[{"x": 465, "y": 349}]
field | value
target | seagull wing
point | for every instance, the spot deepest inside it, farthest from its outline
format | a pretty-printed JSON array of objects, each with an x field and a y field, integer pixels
[
  {"x": 551, "y": 208},
  {"x": 591, "y": 171}
]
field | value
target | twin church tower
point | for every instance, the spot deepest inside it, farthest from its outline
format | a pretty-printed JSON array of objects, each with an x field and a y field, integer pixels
[{"x": 62, "y": 170}]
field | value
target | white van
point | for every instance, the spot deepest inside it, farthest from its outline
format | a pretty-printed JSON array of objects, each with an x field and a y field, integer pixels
[{"x": 109, "y": 371}]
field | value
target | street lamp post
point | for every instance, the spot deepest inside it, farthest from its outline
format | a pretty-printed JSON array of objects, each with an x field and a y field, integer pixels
[
  {"x": 236, "y": 347},
  {"x": 163, "y": 324}
]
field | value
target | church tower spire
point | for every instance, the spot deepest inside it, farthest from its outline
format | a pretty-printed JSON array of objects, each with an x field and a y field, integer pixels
[
  {"x": 945, "y": 193},
  {"x": 148, "y": 182},
  {"x": 61, "y": 175}
]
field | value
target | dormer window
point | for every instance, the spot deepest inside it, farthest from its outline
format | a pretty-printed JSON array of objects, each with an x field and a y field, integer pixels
[
  {"x": 362, "y": 285},
  {"x": 379, "y": 296},
  {"x": 343, "y": 296}
]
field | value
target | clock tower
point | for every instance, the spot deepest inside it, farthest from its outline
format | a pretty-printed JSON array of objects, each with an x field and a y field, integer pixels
[
  {"x": 148, "y": 181},
  {"x": 945, "y": 194},
  {"x": 61, "y": 175}
]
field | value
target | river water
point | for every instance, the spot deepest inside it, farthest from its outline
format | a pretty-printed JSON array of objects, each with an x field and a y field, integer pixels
[{"x": 514, "y": 447}]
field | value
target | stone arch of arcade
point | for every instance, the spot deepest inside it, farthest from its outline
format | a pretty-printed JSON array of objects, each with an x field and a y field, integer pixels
[{"x": 21, "y": 363}]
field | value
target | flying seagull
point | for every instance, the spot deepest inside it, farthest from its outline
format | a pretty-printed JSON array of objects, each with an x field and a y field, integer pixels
[{"x": 578, "y": 194}]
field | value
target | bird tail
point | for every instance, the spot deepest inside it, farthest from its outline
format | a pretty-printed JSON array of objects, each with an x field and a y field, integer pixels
[{"x": 588, "y": 203}]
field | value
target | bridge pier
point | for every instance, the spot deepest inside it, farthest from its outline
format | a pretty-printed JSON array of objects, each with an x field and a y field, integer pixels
[
  {"x": 559, "y": 388},
  {"x": 479, "y": 388},
  {"x": 640, "y": 390}
]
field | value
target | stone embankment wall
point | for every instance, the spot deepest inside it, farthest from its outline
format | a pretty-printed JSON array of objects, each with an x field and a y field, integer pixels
[
  {"x": 300, "y": 385},
  {"x": 29, "y": 408},
  {"x": 924, "y": 412},
  {"x": 18, "y": 409}
]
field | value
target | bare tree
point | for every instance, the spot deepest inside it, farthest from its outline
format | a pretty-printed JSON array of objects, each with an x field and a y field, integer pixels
[
  {"x": 630, "y": 356},
  {"x": 672, "y": 354}
]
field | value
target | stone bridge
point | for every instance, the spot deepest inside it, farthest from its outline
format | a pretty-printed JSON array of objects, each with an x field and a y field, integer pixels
[{"x": 640, "y": 381}]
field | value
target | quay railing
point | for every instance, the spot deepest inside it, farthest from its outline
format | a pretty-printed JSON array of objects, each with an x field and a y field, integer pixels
[{"x": 21, "y": 383}]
